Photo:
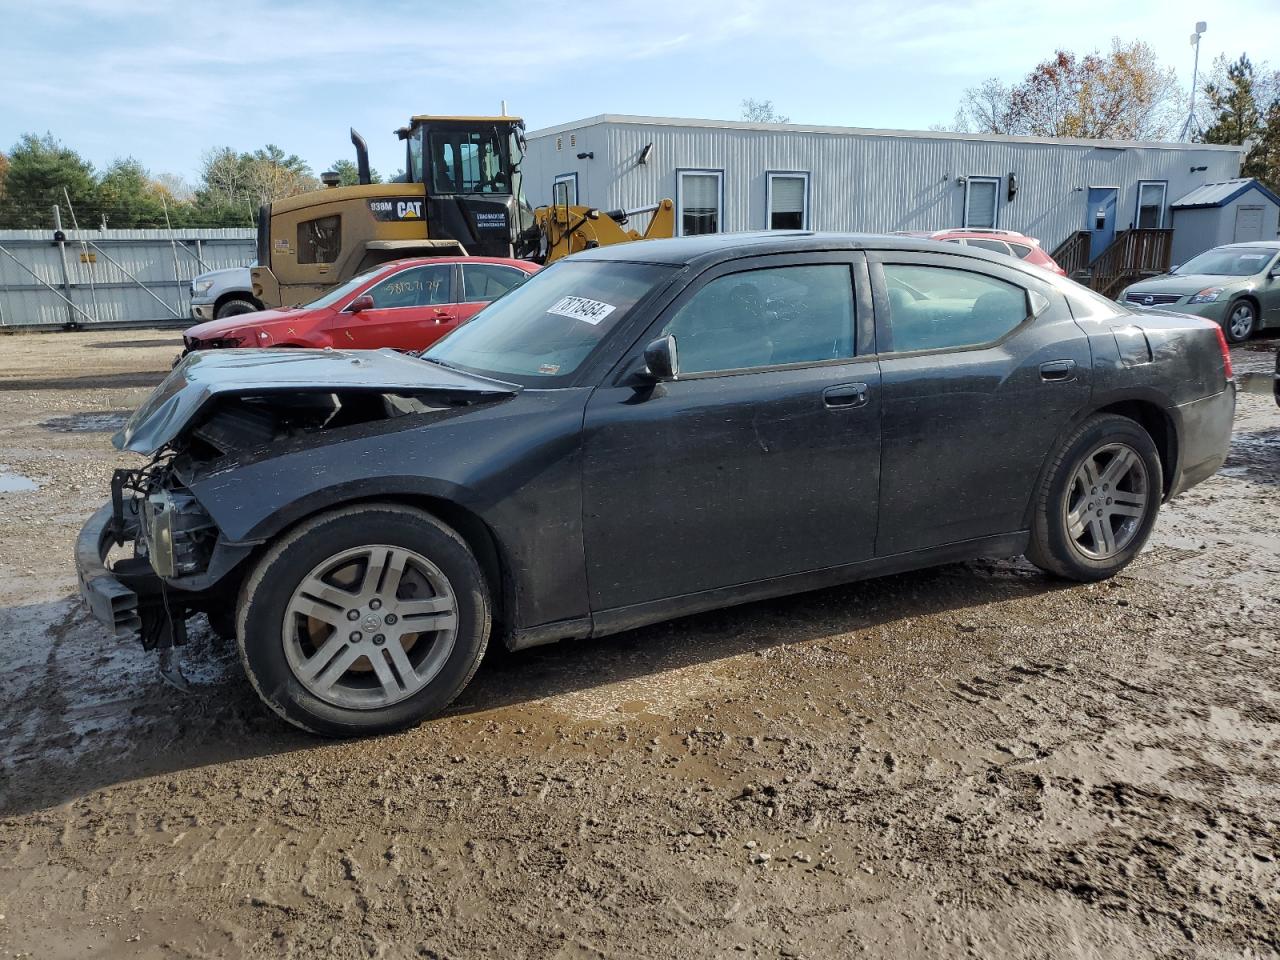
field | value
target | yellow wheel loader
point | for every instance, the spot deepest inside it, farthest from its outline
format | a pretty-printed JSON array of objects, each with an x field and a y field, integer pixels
[{"x": 462, "y": 193}]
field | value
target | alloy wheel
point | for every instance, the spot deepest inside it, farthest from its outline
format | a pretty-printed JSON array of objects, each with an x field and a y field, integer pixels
[
  {"x": 1240, "y": 322},
  {"x": 370, "y": 626},
  {"x": 1107, "y": 500}
]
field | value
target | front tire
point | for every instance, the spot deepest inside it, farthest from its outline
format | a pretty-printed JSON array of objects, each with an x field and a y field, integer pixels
[
  {"x": 234, "y": 308},
  {"x": 1098, "y": 501},
  {"x": 1241, "y": 321},
  {"x": 362, "y": 621}
]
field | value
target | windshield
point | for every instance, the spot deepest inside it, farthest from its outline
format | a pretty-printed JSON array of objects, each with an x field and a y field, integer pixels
[
  {"x": 337, "y": 293},
  {"x": 468, "y": 161},
  {"x": 1228, "y": 262},
  {"x": 542, "y": 332}
]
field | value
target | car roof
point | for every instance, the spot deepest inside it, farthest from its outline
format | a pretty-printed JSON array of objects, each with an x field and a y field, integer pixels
[
  {"x": 1269, "y": 244},
  {"x": 418, "y": 261},
  {"x": 713, "y": 247}
]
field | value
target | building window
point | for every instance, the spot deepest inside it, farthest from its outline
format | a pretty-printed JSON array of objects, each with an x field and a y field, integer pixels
[
  {"x": 569, "y": 190},
  {"x": 981, "y": 202},
  {"x": 787, "y": 201},
  {"x": 1150, "y": 214},
  {"x": 319, "y": 240},
  {"x": 699, "y": 202}
]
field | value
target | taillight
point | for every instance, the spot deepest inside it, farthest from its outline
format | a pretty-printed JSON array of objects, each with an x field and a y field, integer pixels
[{"x": 1226, "y": 352}]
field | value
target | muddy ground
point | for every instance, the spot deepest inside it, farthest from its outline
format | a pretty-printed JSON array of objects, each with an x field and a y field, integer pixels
[{"x": 971, "y": 761}]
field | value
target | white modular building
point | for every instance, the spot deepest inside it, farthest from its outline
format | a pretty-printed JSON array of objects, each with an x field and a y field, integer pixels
[{"x": 730, "y": 176}]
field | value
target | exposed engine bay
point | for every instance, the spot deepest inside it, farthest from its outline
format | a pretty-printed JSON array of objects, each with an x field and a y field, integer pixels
[{"x": 206, "y": 420}]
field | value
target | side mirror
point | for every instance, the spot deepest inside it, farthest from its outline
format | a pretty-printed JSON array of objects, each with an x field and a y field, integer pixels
[
  {"x": 660, "y": 359},
  {"x": 1274, "y": 274},
  {"x": 362, "y": 302},
  {"x": 1173, "y": 267}
]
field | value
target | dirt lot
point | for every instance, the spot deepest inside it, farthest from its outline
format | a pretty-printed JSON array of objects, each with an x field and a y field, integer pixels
[{"x": 971, "y": 761}]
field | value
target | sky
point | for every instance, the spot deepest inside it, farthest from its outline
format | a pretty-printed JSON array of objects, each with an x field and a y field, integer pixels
[{"x": 166, "y": 81}]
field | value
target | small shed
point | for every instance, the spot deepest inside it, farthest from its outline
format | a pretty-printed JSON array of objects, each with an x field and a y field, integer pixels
[{"x": 1232, "y": 211}]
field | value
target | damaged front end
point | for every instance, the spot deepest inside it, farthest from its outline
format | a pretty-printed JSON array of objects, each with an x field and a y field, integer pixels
[{"x": 154, "y": 556}]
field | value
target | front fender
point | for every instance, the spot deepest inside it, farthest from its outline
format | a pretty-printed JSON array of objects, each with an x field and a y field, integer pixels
[{"x": 514, "y": 466}]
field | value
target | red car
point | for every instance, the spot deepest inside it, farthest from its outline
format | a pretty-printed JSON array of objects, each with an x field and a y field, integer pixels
[
  {"x": 1008, "y": 242},
  {"x": 406, "y": 304}
]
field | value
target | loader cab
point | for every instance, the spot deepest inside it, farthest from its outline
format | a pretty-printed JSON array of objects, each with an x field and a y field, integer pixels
[
  {"x": 470, "y": 167},
  {"x": 461, "y": 193}
]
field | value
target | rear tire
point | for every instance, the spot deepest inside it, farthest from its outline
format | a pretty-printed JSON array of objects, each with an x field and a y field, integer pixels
[
  {"x": 1098, "y": 501},
  {"x": 326, "y": 620},
  {"x": 233, "y": 308}
]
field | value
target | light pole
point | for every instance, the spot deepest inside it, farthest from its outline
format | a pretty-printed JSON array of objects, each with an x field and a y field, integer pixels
[{"x": 1192, "y": 125}]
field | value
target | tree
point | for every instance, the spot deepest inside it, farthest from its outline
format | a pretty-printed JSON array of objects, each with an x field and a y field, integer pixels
[
  {"x": 761, "y": 111},
  {"x": 4, "y": 169},
  {"x": 40, "y": 168},
  {"x": 128, "y": 197},
  {"x": 1243, "y": 106},
  {"x": 1124, "y": 95},
  {"x": 349, "y": 174},
  {"x": 273, "y": 175},
  {"x": 1263, "y": 161}
]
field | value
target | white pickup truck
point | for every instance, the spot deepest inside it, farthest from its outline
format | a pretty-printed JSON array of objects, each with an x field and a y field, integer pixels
[{"x": 223, "y": 293}]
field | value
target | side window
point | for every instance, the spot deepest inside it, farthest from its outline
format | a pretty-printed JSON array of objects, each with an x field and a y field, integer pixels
[
  {"x": 1020, "y": 250},
  {"x": 483, "y": 282},
  {"x": 415, "y": 287},
  {"x": 995, "y": 246},
  {"x": 933, "y": 308},
  {"x": 800, "y": 314},
  {"x": 319, "y": 240}
]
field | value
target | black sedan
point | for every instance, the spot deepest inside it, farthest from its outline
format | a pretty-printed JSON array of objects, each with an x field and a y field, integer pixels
[{"x": 637, "y": 433}]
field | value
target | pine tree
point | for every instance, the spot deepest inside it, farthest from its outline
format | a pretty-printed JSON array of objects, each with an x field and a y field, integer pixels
[{"x": 1233, "y": 105}]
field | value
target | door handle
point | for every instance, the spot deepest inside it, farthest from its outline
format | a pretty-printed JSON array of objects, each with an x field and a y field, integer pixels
[
  {"x": 845, "y": 396},
  {"x": 1057, "y": 371}
]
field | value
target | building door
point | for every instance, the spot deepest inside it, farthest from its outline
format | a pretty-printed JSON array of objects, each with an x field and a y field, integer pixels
[
  {"x": 1248, "y": 224},
  {"x": 1101, "y": 222}
]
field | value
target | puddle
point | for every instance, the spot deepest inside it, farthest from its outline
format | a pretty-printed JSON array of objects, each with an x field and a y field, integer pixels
[
  {"x": 15, "y": 482},
  {"x": 103, "y": 422}
]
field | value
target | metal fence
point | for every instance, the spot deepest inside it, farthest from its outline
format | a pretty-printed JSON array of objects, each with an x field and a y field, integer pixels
[{"x": 110, "y": 276}]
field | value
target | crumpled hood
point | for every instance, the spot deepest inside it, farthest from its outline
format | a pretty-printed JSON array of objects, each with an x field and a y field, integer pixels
[
  {"x": 1184, "y": 284},
  {"x": 240, "y": 322},
  {"x": 201, "y": 376}
]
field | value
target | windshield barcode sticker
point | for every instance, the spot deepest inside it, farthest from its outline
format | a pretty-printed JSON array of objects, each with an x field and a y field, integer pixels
[{"x": 580, "y": 308}]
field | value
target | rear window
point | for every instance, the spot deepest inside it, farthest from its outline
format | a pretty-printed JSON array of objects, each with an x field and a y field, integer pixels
[{"x": 542, "y": 332}]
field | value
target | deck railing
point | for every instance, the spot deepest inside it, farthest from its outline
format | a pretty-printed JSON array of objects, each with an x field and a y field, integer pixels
[
  {"x": 1072, "y": 254},
  {"x": 1134, "y": 254}
]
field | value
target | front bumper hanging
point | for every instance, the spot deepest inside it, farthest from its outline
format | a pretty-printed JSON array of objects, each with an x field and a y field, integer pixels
[{"x": 128, "y": 597}]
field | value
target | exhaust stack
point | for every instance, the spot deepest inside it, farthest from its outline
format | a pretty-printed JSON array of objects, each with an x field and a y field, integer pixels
[{"x": 362, "y": 156}]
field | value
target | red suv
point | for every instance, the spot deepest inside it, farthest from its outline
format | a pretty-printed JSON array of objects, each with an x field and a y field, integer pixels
[
  {"x": 1008, "y": 242},
  {"x": 406, "y": 304}
]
